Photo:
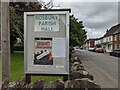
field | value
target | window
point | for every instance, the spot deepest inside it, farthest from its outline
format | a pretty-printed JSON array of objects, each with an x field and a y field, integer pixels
[
  {"x": 115, "y": 37},
  {"x": 106, "y": 39},
  {"x": 119, "y": 46},
  {"x": 109, "y": 46},
  {"x": 119, "y": 36},
  {"x": 109, "y": 38},
  {"x": 115, "y": 46}
]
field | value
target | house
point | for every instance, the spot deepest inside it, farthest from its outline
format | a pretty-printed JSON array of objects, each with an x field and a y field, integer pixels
[
  {"x": 98, "y": 42},
  {"x": 90, "y": 43},
  {"x": 116, "y": 39},
  {"x": 111, "y": 40}
]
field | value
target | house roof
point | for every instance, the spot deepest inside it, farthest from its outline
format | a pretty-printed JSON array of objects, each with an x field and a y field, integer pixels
[
  {"x": 113, "y": 30},
  {"x": 90, "y": 39},
  {"x": 93, "y": 39},
  {"x": 117, "y": 31},
  {"x": 99, "y": 38}
]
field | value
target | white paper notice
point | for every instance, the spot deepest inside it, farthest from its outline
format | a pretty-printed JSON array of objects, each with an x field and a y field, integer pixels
[{"x": 59, "y": 47}]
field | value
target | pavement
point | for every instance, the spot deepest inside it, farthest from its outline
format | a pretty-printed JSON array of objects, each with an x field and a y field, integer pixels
[
  {"x": 101, "y": 77},
  {"x": 107, "y": 53}
]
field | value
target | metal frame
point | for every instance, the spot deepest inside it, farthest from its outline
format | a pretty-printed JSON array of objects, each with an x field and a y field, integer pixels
[{"x": 26, "y": 33}]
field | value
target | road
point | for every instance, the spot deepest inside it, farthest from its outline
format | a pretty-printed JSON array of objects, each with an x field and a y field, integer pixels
[{"x": 103, "y": 67}]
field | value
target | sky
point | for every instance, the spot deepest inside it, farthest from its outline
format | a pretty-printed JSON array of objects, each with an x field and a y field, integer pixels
[{"x": 97, "y": 17}]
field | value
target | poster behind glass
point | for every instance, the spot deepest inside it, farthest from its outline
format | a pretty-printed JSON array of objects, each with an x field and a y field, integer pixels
[{"x": 43, "y": 51}]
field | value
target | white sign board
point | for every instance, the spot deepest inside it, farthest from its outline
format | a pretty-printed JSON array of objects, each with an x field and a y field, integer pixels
[
  {"x": 59, "y": 47},
  {"x": 46, "y": 42},
  {"x": 47, "y": 22}
]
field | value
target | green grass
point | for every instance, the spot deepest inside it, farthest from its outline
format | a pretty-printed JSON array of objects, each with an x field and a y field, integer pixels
[
  {"x": 17, "y": 64},
  {"x": 17, "y": 69}
]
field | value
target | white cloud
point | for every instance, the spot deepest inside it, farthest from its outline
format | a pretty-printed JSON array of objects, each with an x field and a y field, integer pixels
[{"x": 97, "y": 17}]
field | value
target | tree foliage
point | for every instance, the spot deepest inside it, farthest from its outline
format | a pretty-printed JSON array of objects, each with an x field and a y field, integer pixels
[
  {"x": 77, "y": 32},
  {"x": 16, "y": 19}
]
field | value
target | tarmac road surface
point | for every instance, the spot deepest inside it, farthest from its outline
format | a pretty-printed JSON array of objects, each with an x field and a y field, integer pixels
[{"x": 103, "y": 67}]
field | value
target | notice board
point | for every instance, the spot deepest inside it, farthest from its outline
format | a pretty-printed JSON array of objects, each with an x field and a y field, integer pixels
[{"x": 46, "y": 41}]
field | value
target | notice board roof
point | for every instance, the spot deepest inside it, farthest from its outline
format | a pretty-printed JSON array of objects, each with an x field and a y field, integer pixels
[{"x": 47, "y": 10}]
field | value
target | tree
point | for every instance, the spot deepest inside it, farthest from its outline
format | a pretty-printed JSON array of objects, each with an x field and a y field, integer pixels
[
  {"x": 77, "y": 32},
  {"x": 16, "y": 19}
]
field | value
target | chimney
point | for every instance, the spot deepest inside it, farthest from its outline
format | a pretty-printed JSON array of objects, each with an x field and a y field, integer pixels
[{"x": 107, "y": 30}]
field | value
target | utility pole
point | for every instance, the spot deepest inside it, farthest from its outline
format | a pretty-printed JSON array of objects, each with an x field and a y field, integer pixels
[{"x": 5, "y": 39}]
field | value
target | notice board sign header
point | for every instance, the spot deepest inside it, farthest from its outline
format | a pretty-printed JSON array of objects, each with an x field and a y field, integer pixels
[{"x": 47, "y": 22}]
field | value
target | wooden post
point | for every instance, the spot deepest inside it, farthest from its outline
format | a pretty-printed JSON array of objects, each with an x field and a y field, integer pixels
[
  {"x": 5, "y": 40},
  {"x": 28, "y": 78},
  {"x": 65, "y": 78}
]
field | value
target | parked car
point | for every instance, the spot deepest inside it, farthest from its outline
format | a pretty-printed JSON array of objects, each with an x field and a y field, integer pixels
[
  {"x": 76, "y": 48},
  {"x": 115, "y": 53},
  {"x": 81, "y": 47},
  {"x": 99, "y": 50},
  {"x": 92, "y": 49}
]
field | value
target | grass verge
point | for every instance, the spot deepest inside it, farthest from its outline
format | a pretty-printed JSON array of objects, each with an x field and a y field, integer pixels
[{"x": 17, "y": 69}]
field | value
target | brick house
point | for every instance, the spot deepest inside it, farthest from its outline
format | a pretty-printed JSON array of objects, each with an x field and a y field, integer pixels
[
  {"x": 90, "y": 43},
  {"x": 116, "y": 39}
]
